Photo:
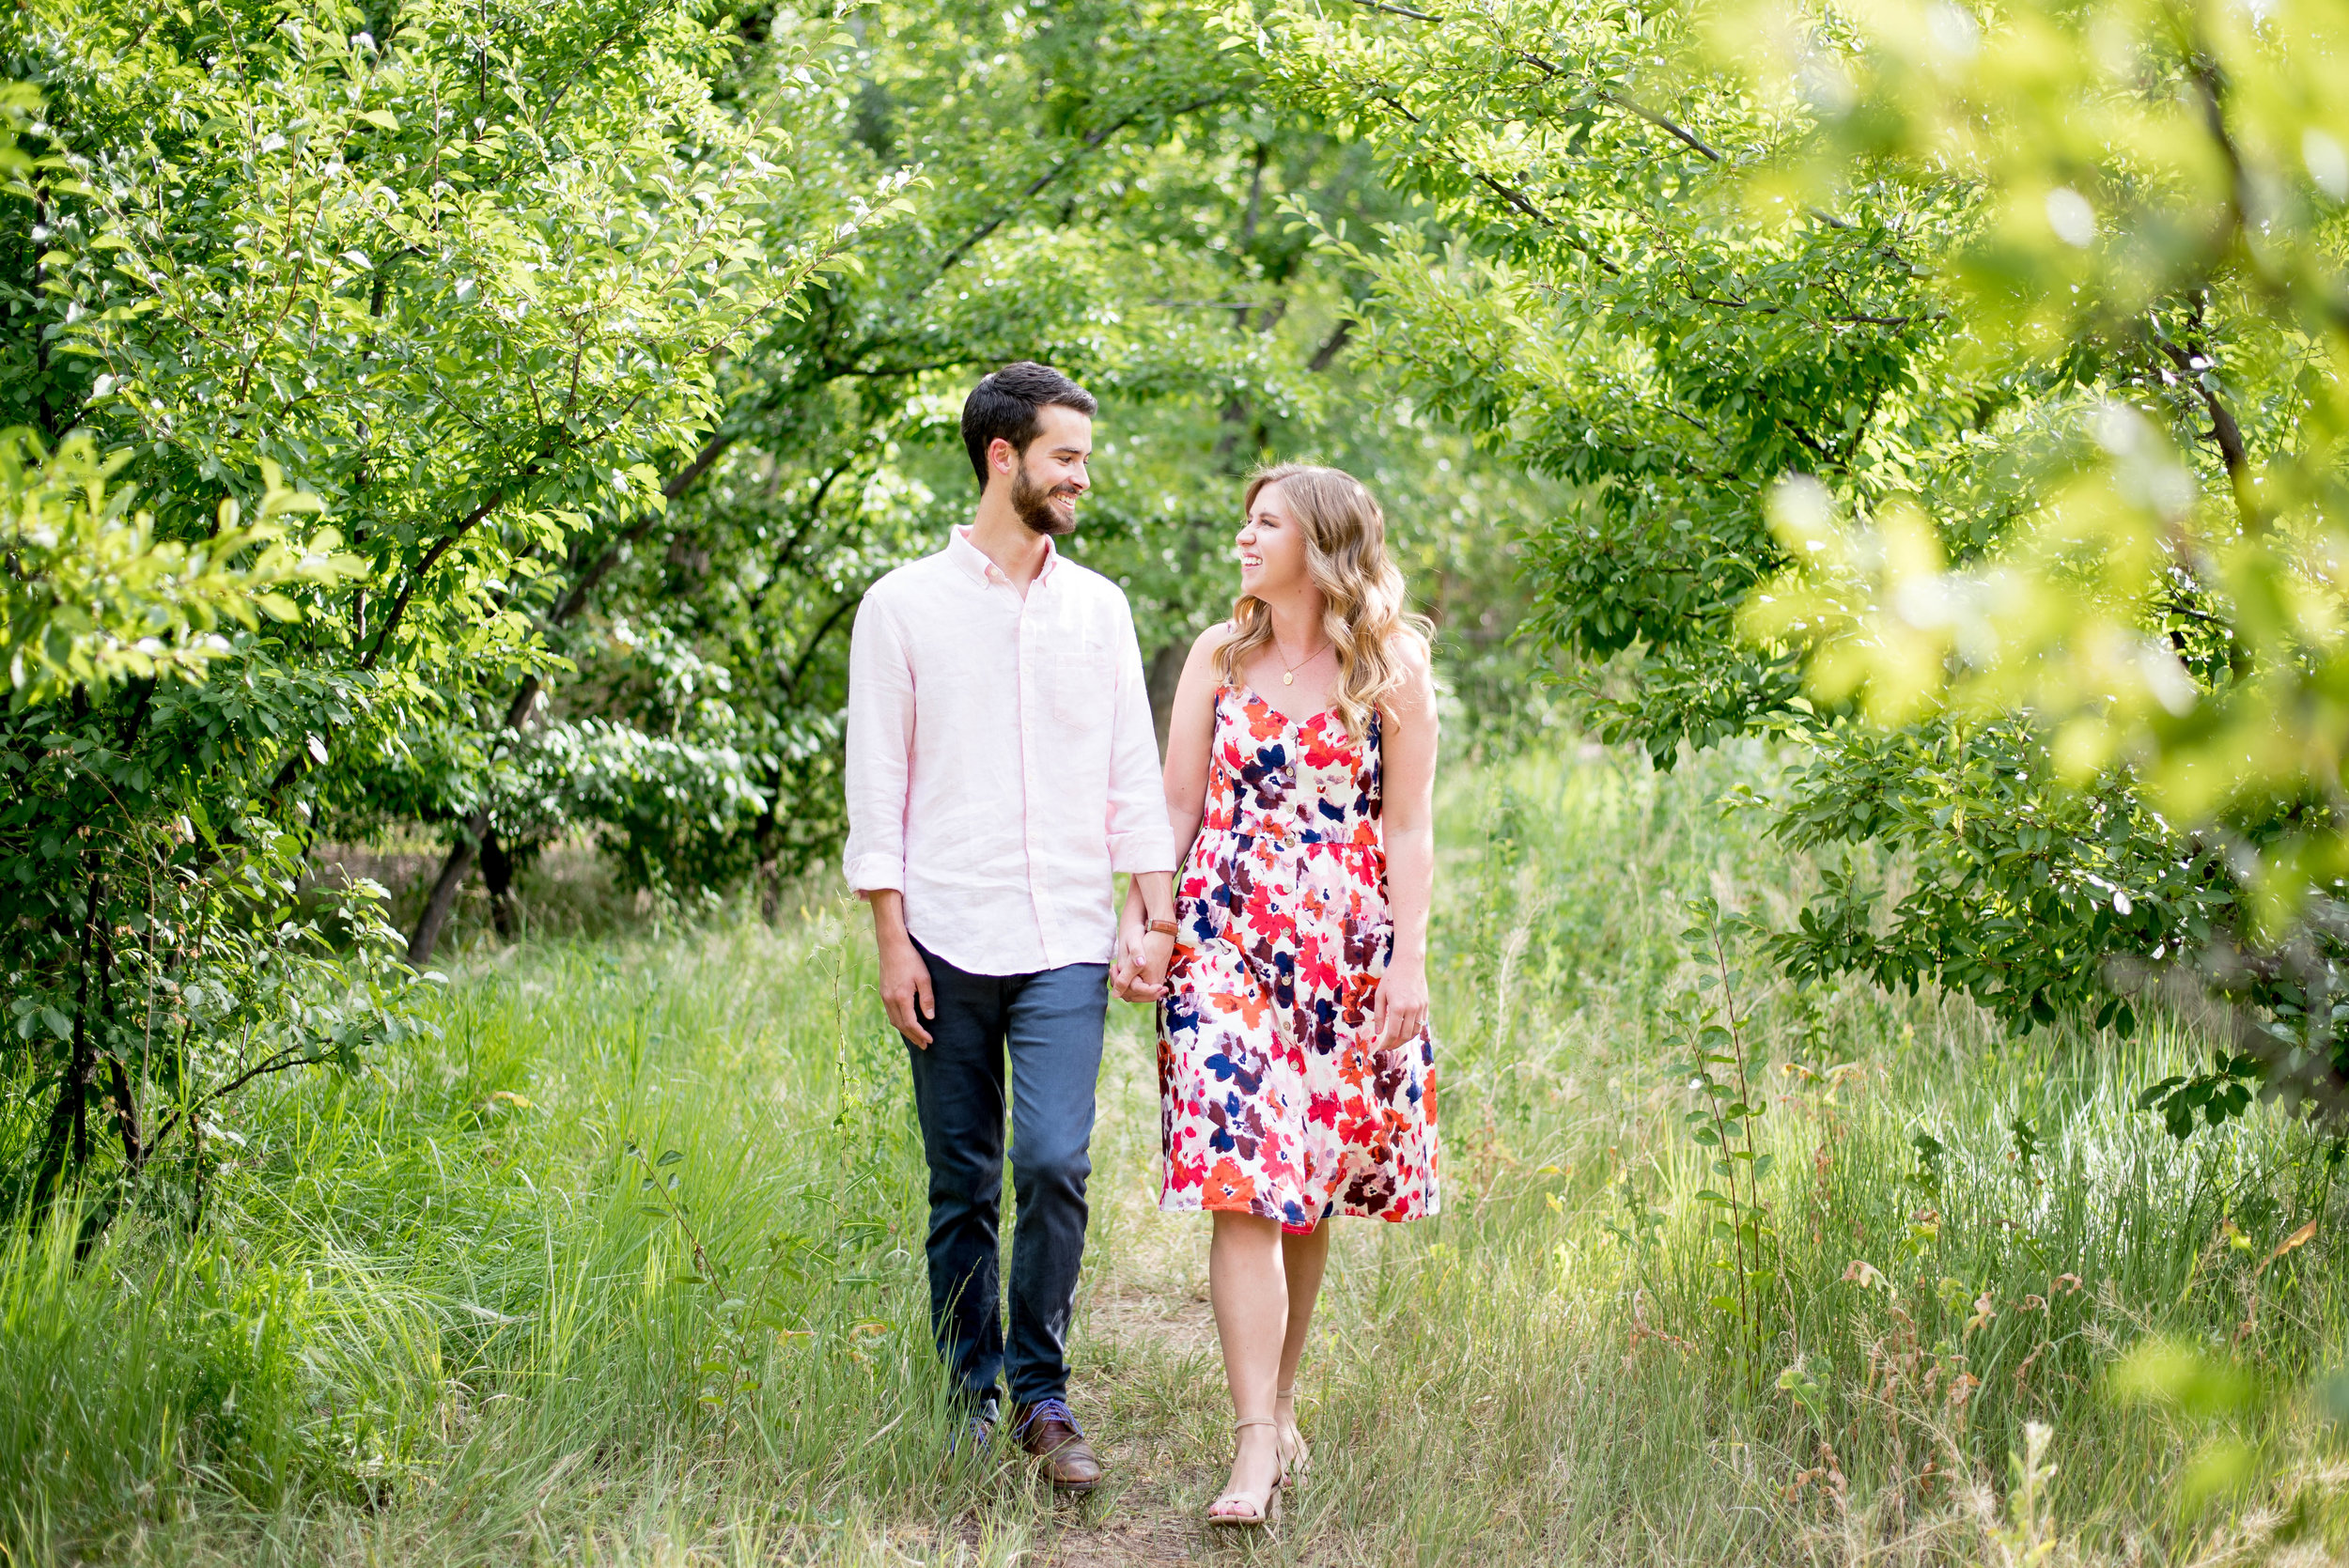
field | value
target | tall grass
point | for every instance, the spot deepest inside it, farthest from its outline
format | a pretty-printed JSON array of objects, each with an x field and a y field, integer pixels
[{"x": 624, "y": 1267}]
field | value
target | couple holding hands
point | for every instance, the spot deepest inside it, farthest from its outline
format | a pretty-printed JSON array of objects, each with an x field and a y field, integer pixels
[{"x": 1003, "y": 766}]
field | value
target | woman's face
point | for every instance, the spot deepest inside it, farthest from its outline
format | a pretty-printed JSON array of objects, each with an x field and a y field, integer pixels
[{"x": 1272, "y": 548}]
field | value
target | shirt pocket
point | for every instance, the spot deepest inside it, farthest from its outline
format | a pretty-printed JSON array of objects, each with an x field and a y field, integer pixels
[{"x": 1081, "y": 685}]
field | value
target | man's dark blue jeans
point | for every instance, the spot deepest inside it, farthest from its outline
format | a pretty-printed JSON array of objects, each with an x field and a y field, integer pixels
[{"x": 1050, "y": 1024}]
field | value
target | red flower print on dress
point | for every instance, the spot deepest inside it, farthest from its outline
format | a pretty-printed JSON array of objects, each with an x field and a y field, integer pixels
[
  {"x": 1229, "y": 1186},
  {"x": 1252, "y": 1007}
]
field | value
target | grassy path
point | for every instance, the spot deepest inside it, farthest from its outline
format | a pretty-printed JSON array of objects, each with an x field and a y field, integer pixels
[{"x": 623, "y": 1266}]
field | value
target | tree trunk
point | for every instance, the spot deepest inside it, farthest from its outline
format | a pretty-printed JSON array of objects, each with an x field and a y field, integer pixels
[
  {"x": 497, "y": 875},
  {"x": 770, "y": 892},
  {"x": 474, "y": 841},
  {"x": 127, "y": 1115},
  {"x": 69, "y": 1119},
  {"x": 766, "y": 839},
  {"x": 444, "y": 890},
  {"x": 1160, "y": 680}
]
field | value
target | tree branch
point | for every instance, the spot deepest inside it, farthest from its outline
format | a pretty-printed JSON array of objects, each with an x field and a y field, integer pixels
[
  {"x": 423, "y": 568},
  {"x": 2210, "y": 87},
  {"x": 278, "y": 1064},
  {"x": 807, "y": 653},
  {"x": 1040, "y": 184},
  {"x": 757, "y": 599},
  {"x": 1331, "y": 346},
  {"x": 684, "y": 478},
  {"x": 1554, "y": 71},
  {"x": 1660, "y": 122},
  {"x": 2224, "y": 432}
]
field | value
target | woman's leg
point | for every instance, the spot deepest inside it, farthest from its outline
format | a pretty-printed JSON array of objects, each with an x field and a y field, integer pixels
[
  {"x": 1302, "y": 1260},
  {"x": 1248, "y": 1286}
]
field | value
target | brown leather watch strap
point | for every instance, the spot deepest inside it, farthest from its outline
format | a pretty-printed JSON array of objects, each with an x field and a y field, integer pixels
[{"x": 1163, "y": 927}]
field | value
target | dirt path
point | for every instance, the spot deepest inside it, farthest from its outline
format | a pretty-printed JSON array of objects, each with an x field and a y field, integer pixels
[
  {"x": 1147, "y": 1379},
  {"x": 1145, "y": 1342}
]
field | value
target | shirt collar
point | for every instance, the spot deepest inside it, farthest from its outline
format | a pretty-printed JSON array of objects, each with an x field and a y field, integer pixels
[{"x": 974, "y": 564}]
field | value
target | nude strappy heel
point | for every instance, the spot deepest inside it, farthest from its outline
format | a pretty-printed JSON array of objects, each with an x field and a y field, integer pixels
[
  {"x": 1297, "y": 1460},
  {"x": 1268, "y": 1511}
]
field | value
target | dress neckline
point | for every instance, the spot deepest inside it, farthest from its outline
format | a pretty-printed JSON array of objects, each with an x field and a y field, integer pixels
[{"x": 1247, "y": 688}]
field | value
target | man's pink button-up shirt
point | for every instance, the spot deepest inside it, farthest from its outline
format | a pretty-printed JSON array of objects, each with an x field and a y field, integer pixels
[{"x": 1002, "y": 762}]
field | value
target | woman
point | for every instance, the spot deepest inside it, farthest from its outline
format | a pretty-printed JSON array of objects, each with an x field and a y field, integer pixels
[{"x": 1295, "y": 1072}]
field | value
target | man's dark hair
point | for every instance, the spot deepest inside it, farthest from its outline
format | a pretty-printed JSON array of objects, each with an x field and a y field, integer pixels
[{"x": 1005, "y": 403}]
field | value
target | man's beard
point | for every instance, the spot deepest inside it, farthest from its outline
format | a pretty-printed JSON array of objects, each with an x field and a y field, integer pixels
[{"x": 1034, "y": 502}]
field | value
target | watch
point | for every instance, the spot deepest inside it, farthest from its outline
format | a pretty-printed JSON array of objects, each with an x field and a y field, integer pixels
[{"x": 1162, "y": 927}]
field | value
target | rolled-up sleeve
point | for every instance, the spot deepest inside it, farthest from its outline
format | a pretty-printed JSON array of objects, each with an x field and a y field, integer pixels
[
  {"x": 879, "y": 749},
  {"x": 1139, "y": 837}
]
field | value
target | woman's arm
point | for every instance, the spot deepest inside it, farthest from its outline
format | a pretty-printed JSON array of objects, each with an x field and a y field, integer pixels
[
  {"x": 1407, "y": 809},
  {"x": 1189, "y": 752}
]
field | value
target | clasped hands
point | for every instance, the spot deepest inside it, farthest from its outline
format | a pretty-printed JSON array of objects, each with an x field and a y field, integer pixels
[
  {"x": 1397, "y": 1015},
  {"x": 1139, "y": 973}
]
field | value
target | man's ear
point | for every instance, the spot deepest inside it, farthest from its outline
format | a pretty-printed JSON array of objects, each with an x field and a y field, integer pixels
[{"x": 1002, "y": 456}]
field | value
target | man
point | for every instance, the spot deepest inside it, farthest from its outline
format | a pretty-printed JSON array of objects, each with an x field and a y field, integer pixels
[{"x": 1001, "y": 765}]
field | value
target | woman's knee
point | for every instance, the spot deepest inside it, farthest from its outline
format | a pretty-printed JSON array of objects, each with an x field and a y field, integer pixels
[{"x": 1252, "y": 1232}]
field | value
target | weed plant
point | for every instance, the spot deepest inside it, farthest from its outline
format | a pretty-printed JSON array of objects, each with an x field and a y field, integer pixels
[{"x": 624, "y": 1265}]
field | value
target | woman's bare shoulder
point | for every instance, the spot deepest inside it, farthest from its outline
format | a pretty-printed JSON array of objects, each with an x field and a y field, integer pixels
[
  {"x": 1413, "y": 662},
  {"x": 1208, "y": 641},
  {"x": 1413, "y": 694}
]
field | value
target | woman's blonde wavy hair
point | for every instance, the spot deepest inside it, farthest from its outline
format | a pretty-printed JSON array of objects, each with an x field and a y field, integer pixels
[{"x": 1346, "y": 553}]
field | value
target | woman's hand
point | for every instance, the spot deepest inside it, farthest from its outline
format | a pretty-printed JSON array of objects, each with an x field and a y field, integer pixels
[{"x": 1401, "y": 1011}]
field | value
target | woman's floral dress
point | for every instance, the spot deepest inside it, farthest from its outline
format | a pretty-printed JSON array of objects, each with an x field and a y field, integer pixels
[{"x": 1274, "y": 1096}]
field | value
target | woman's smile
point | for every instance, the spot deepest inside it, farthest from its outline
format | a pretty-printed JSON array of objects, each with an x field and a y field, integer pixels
[{"x": 1271, "y": 550}]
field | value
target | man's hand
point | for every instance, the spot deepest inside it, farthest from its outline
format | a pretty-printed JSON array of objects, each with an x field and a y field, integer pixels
[
  {"x": 905, "y": 979},
  {"x": 1401, "y": 1011},
  {"x": 1128, "y": 964}
]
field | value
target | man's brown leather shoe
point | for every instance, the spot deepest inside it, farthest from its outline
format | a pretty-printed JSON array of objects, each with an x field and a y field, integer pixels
[{"x": 1049, "y": 1430}]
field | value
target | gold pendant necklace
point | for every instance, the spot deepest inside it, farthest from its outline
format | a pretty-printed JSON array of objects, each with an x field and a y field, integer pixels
[{"x": 1288, "y": 673}]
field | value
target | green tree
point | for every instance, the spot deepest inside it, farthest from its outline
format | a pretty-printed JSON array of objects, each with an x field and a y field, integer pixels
[
  {"x": 1098, "y": 188},
  {"x": 462, "y": 277},
  {"x": 2159, "y": 198},
  {"x": 1710, "y": 270}
]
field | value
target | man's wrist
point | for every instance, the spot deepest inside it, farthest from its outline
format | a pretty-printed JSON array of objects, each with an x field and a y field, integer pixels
[{"x": 889, "y": 918}]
